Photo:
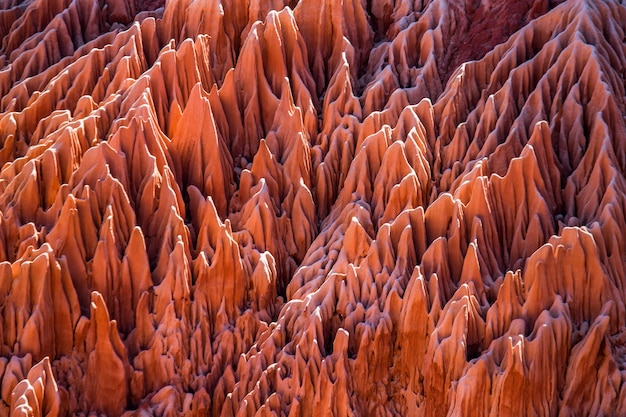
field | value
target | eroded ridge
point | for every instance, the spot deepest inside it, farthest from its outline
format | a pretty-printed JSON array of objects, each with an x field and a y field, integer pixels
[{"x": 312, "y": 208}]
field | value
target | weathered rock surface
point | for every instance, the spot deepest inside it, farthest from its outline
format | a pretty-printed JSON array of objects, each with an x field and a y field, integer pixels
[{"x": 313, "y": 207}]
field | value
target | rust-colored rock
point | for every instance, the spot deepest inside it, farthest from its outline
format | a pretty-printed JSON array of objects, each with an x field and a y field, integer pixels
[{"x": 312, "y": 208}]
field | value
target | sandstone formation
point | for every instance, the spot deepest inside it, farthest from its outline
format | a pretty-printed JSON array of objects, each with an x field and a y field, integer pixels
[{"x": 312, "y": 208}]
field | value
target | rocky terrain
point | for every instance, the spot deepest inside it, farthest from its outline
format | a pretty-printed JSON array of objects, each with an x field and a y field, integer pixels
[{"x": 312, "y": 208}]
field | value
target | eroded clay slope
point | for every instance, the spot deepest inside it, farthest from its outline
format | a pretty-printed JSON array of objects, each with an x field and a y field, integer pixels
[{"x": 312, "y": 208}]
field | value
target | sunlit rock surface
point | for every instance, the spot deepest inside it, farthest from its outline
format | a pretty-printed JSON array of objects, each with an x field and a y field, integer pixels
[{"x": 312, "y": 208}]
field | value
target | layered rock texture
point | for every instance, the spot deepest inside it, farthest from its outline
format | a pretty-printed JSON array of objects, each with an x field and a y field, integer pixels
[{"x": 312, "y": 208}]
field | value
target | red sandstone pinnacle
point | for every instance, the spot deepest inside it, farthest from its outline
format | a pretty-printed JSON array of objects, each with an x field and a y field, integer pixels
[{"x": 312, "y": 208}]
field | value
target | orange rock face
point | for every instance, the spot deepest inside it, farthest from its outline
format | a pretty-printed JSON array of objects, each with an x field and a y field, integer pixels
[{"x": 312, "y": 208}]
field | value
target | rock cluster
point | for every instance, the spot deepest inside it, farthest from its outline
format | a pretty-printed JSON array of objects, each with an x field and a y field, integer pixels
[{"x": 313, "y": 207}]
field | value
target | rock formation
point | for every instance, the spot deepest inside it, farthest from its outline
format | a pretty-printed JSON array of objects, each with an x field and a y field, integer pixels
[{"x": 314, "y": 207}]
